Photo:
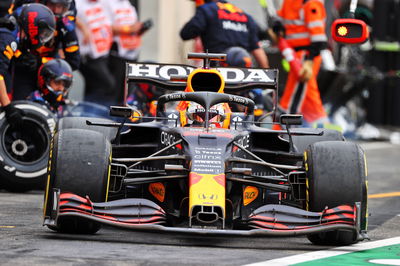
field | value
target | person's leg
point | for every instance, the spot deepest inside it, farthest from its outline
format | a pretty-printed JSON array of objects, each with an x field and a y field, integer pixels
[
  {"x": 312, "y": 107},
  {"x": 304, "y": 98},
  {"x": 99, "y": 81}
]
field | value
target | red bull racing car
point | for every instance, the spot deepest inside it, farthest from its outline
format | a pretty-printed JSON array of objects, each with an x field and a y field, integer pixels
[{"x": 205, "y": 169}]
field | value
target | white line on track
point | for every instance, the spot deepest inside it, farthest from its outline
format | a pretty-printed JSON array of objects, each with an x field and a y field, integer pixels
[{"x": 322, "y": 254}]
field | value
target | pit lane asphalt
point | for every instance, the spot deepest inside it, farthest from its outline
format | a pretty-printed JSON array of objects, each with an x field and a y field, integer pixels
[{"x": 23, "y": 241}]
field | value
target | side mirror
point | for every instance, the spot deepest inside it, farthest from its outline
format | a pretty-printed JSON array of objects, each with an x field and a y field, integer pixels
[
  {"x": 349, "y": 31},
  {"x": 290, "y": 119},
  {"x": 121, "y": 111}
]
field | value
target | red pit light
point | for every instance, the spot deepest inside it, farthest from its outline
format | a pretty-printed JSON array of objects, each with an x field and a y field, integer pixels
[{"x": 350, "y": 31}]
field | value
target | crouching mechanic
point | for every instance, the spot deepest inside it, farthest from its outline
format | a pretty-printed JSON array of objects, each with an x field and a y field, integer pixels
[
  {"x": 302, "y": 24},
  {"x": 31, "y": 29},
  {"x": 54, "y": 81}
]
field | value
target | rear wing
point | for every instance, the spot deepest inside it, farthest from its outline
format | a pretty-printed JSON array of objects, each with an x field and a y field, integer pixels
[{"x": 173, "y": 76}]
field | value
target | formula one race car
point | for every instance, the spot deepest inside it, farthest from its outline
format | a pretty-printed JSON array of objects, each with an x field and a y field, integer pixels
[{"x": 203, "y": 169}]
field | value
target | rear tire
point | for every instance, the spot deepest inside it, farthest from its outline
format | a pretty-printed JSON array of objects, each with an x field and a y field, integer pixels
[
  {"x": 336, "y": 174},
  {"x": 79, "y": 163}
]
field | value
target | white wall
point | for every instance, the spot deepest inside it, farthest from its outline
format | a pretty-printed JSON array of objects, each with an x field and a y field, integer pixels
[{"x": 162, "y": 43}]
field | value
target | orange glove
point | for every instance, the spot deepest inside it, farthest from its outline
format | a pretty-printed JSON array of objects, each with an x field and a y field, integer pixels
[{"x": 306, "y": 71}]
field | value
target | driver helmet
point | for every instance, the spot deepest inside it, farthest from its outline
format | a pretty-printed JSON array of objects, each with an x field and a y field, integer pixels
[
  {"x": 196, "y": 115},
  {"x": 54, "y": 81},
  {"x": 38, "y": 23},
  {"x": 59, "y": 7}
]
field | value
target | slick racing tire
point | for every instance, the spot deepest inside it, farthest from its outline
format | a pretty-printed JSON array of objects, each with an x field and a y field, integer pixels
[
  {"x": 336, "y": 175},
  {"x": 24, "y": 151},
  {"x": 302, "y": 142},
  {"x": 79, "y": 163},
  {"x": 80, "y": 123}
]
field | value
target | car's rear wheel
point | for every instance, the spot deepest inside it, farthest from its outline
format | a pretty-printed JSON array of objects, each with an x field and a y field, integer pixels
[
  {"x": 24, "y": 151},
  {"x": 336, "y": 175},
  {"x": 79, "y": 163},
  {"x": 80, "y": 122}
]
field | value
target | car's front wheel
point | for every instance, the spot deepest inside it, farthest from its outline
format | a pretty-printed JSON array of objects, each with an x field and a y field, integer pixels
[
  {"x": 79, "y": 163},
  {"x": 336, "y": 175}
]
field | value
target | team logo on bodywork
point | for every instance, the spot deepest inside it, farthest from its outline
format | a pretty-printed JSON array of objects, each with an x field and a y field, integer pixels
[
  {"x": 249, "y": 195},
  {"x": 231, "y": 75}
]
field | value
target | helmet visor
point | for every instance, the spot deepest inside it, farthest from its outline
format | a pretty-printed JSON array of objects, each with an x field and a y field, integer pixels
[
  {"x": 65, "y": 80},
  {"x": 45, "y": 35}
]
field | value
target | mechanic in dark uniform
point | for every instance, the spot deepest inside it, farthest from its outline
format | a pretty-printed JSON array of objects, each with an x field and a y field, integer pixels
[
  {"x": 24, "y": 34},
  {"x": 65, "y": 39},
  {"x": 221, "y": 25},
  {"x": 5, "y": 5}
]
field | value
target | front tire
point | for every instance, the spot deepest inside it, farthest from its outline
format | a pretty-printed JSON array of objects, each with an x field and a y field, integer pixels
[
  {"x": 336, "y": 173},
  {"x": 79, "y": 163}
]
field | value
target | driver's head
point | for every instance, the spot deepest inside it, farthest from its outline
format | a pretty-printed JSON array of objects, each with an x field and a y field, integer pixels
[
  {"x": 38, "y": 25},
  {"x": 196, "y": 115},
  {"x": 54, "y": 81}
]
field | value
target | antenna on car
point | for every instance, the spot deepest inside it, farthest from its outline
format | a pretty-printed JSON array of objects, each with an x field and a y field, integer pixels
[{"x": 207, "y": 58}]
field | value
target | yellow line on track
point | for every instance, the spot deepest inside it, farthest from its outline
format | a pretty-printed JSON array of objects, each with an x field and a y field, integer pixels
[
  {"x": 6, "y": 226},
  {"x": 384, "y": 195}
]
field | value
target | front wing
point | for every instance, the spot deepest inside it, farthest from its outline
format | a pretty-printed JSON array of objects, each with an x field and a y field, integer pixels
[{"x": 143, "y": 214}]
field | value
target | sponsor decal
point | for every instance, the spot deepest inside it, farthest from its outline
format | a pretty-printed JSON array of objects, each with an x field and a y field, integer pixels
[
  {"x": 207, "y": 196},
  {"x": 230, "y": 75},
  {"x": 173, "y": 116},
  {"x": 208, "y": 160},
  {"x": 167, "y": 139},
  {"x": 244, "y": 141},
  {"x": 222, "y": 14},
  {"x": 249, "y": 195},
  {"x": 33, "y": 30},
  {"x": 158, "y": 191},
  {"x": 229, "y": 25}
]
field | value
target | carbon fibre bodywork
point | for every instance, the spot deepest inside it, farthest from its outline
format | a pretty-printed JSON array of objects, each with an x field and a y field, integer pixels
[{"x": 242, "y": 179}]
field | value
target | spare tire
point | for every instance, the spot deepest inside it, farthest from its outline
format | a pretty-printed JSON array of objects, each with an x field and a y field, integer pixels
[{"x": 24, "y": 152}]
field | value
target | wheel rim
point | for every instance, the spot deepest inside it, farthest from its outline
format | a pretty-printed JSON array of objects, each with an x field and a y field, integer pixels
[{"x": 27, "y": 145}]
